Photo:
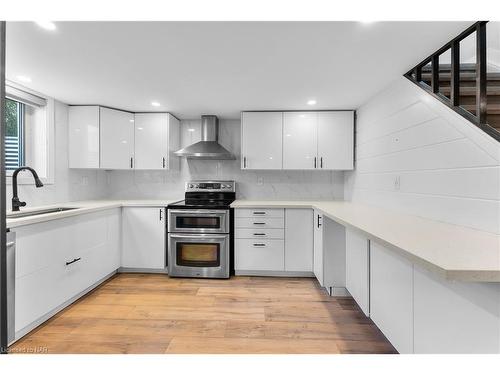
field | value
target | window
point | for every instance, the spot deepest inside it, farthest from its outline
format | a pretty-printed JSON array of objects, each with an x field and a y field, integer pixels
[
  {"x": 14, "y": 134},
  {"x": 29, "y": 133}
]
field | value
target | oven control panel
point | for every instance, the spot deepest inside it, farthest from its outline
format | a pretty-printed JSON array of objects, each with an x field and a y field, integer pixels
[{"x": 210, "y": 186}]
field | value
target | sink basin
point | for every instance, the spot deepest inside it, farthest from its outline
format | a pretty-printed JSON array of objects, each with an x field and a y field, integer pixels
[{"x": 17, "y": 215}]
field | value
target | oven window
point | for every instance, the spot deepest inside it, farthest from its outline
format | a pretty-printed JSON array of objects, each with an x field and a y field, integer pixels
[
  {"x": 197, "y": 222},
  {"x": 194, "y": 254}
]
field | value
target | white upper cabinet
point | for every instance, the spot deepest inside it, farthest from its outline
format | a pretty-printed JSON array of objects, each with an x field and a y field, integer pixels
[
  {"x": 261, "y": 140},
  {"x": 155, "y": 135},
  {"x": 300, "y": 140},
  {"x": 297, "y": 140},
  {"x": 117, "y": 139},
  {"x": 83, "y": 137},
  {"x": 336, "y": 140}
]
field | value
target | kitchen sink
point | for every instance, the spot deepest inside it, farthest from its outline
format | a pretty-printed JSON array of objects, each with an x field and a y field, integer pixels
[{"x": 17, "y": 215}]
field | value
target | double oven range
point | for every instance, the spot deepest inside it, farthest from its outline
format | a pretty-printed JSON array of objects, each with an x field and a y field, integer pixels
[{"x": 200, "y": 231}]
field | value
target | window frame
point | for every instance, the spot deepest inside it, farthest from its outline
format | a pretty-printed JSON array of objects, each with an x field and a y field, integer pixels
[{"x": 49, "y": 116}]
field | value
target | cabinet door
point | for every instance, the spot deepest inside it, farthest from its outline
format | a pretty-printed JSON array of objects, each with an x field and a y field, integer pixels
[
  {"x": 259, "y": 255},
  {"x": 261, "y": 140},
  {"x": 318, "y": 247},
  {"x": 174, "y": 141},
  {"x": 357, "y": 272},
  {"x": 336, "y": 140},
  {"x": 117, "y": 139},
  {"x": 391, "y": 296},
  {"x": 299, "y": 240},
  {"x": 300, "y": 140},
  {"x": 83, "y": 137},
  {"x": 143, "y": 238},
  {"x": 151, "y": 141}
]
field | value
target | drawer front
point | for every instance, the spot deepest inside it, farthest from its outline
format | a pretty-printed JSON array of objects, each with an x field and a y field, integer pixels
[
  {"x": 255, "y": 234},
  {"x": 259, "y": 255},
  {"x": 259, "y": 222},
  {"x": 259, "y": 212}
]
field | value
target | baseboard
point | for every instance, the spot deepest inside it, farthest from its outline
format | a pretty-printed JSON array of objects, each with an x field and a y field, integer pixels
[
  {"x": 336, "y": 291},
  {"x": 274, "y": 273},
  {"x": 19, "y": 334},
  {"x": 142, "y": 270}
]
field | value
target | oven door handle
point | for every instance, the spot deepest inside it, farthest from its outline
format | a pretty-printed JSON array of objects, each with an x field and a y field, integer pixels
[
  {"x": 199, "y": 235},
  {"x": 197, "y": 212}
]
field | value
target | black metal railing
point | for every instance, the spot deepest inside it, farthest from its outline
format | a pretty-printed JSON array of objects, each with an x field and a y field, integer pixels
[{"x": 479, "y": 113}]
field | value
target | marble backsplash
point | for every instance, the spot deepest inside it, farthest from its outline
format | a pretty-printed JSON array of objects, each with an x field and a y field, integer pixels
[{"x": 250, "y": 184}]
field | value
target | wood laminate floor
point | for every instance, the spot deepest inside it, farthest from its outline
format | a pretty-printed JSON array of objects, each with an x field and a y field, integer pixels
[{"x": 146, "y": 313}]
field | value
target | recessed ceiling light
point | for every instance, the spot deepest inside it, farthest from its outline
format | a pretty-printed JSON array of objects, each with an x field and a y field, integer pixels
[
  {"x": 311, "y": 102},
  {"x": 47, "y": 25},
  {"x": 366, "y": 22},
  {"x": 155, "y": 104},
  {"x": 190, "y": 130},
  {"x": 24, "y": 78}
]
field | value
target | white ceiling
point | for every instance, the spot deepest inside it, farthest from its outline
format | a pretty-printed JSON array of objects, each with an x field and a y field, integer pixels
[{"x": 221, "y": 68}]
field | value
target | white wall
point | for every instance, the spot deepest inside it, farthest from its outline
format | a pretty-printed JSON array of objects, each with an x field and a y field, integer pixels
[
  {"x": 448, "y": 169},
  {"x": 275, "y": 184},
  {"x": 69, "y": 184}
]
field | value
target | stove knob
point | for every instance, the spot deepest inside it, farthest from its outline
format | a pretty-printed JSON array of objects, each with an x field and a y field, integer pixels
[{"x": 191, "y": 186}]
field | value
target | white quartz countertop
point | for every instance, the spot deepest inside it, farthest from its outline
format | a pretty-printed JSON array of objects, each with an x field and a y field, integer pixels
[
  {"x": 455, "y": 252},
  {"x": 83, "y": 207}
]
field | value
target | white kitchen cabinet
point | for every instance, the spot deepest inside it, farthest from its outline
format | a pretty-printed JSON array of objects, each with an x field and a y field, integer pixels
[
  {"x": 452, "y": 317},
  {"x": 156, "y": 138},
  {"x": 83, "y": 137},
  {"x": 58, "y": 260},
  {"x": 318, "y": 247},
  {"x": 117, "y": 139},
  {"x": 391, "y": 296},
  {"x": 143, "y": 238},
  {"x": 259, "y": 255},
  {"x": 336, "y": 140},
  {"x": 300, "y": 140},
  {"x": 299, "y": 240},
  {"x": 357, "y": 269},
  {"x": 261, "y": 140}
]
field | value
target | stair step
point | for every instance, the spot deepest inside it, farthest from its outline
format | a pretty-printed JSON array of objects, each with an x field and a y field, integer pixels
[
  {"x": 466, "y": 76},
  {"x": 466, "y": 67},
  {"x": 493, "y": 109},
  {"x": 470, "y": 90}
]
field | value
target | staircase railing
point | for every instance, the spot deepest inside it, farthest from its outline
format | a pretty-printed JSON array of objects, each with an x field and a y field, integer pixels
[{"x": 480, "y": 115}]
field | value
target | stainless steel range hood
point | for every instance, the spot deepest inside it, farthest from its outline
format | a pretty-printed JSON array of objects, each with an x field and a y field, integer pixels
[{"x": 209, "y": 147}]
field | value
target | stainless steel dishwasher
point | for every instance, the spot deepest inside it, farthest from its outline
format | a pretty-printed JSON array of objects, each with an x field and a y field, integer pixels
[{"x": 11, "y": 286}]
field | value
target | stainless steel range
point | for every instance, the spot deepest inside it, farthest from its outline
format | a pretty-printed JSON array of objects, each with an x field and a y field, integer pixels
[{"x": 200, "y": 231}]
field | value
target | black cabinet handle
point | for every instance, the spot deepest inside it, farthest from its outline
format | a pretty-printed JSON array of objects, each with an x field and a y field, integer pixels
[
  {"x": 259, "y": 244},
  {"x": 321, "y": 162},
  {"x": 259, "y": 223},
  {"x": 259, "y": 234},
  {"x": 244, "y": 162},
  {"x": 73, "y": 261},
  {"x": 259, "y": 213},
  {"x": 131, "y": 162},
  {"x": 315, "y": 162},
  {"x": 163, "y": 162},
  {"x": 161, "y": 210},
  {"x": 319, "y": 224}
]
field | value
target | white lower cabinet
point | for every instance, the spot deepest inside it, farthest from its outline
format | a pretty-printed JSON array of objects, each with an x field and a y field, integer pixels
[
  {"x": 277, "y": 241},
  {"x": 143, "y": 238},
  {"x": 391, "y": 296},
  {"x": 259, "y": 255},
  {"x": 455, "y": 317},
  {"x": 318, "y": 247},
  {"x": 299, "y": 240},
  {"x": 59, "y": 259},
  {"x": 357, "y": 269}
]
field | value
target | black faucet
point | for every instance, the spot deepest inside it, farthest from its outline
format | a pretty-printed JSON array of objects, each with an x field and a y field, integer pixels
[{"x": 16, "y": 203}]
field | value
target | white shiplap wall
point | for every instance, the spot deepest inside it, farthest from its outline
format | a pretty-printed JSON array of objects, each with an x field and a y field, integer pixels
[{"x": 415, "y": 155}]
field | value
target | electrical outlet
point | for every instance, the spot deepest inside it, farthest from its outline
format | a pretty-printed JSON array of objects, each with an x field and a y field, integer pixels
[
  {"x": 397, "y": 183},
  {"x": 85, "y": 180},
  {"x": 260, "y": 181}
]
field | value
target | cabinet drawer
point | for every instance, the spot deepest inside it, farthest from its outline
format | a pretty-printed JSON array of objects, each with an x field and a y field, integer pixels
[
  {"x": 275, "y": 234},
  {"x": 259, "y": 212},
  {"x": 259, "y": 255},
  {"x": 259, "y": 223}
]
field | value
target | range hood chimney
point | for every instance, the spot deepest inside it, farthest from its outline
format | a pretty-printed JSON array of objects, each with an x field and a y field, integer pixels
[{"x": 209, "y": 147}]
